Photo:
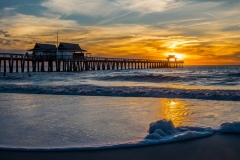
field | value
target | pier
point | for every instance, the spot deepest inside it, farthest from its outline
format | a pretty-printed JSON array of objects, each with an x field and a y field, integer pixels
[{"x": 75, "y": 63}]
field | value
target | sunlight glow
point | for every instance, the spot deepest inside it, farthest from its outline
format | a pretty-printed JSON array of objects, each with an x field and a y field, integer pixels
[
  {"x": 173, "y": 109},
  {"x": 128, "y": 28},
  {"x": 177, "y": 55}
]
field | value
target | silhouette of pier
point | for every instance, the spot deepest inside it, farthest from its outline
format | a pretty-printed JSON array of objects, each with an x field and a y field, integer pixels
[{"x": 75, "y": 63}]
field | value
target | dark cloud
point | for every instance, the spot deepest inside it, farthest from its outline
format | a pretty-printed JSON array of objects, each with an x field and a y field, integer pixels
[
  {"x": 12, "y": 51},
  {"x": 4, "y": 33},
  {"x": 4, "y": 41},
  {"x": 232, "y": 28},
  {"x": 77, "y": 39},
  {"x": 154, "y": 43},
  {"x": 203, "y": 1},
  {"x": 234, "y": 56},
  {"x": 224, "y": 2},
  {"x": 113, "y": 38}
]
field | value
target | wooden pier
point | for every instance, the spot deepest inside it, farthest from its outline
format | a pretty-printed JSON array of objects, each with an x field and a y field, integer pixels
[{"x": 44, "y": 63}]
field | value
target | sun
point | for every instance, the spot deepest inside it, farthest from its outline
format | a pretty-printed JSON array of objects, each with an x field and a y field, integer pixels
[{"x": 177, "y": 55}]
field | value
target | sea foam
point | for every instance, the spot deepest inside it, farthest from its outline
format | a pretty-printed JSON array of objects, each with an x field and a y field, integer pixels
[
  {"x": 227, "y": 127},
  {"x": 162, "y": 131}
]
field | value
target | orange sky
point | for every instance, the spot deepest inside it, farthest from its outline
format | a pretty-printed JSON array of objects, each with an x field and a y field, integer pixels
[{"x": 201, "y": 33}]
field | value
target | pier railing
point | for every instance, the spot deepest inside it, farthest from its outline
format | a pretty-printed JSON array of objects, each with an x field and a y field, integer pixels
[
  {"x": 78, "y": 63},
  {"x": 75, "y": 57},
  {"x": 128, "y": 60}
]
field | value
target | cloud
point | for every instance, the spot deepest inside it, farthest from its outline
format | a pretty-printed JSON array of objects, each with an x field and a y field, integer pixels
[
  {"x": 18, "y": 31},
  {"x": 129, "y": 28},
  {"x": 4, "y": 41},
  {"x": 208, "y": 1},
  {"x": 232, "y": 28},
  {"x": 211, "y": 15},
  {"x": 107, "y": 7},
  {"x": 17, "y": 22},
  {"x": 111, "y": 19},
  {"x": 233, "y": 56},
  {"x": 4, "y": 33}
]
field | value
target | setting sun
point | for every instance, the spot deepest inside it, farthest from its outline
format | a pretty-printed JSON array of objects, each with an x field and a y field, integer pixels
[{"x": 177, "y": 55}]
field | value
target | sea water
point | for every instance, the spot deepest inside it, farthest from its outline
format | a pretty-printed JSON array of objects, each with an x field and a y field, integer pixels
[{"x": 107, "y": 109}]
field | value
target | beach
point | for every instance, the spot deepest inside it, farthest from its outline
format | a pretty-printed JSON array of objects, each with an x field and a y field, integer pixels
[
  {"x": 217, "y": 147},
  {"x": 111, "y": 115}
]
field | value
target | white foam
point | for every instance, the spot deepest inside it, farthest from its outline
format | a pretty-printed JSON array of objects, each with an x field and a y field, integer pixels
[
  {"x": 227, "y": 127},
  {"x": 164, "y": 131}
]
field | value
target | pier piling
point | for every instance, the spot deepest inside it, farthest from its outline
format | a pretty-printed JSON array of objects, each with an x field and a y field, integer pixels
[{"x": 70, "y": 63}]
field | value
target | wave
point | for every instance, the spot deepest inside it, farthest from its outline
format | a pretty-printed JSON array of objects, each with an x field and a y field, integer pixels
[
  {"x": 162, "y": 131},
  {"x": 234, "y": 74},
  {"x": 141, "y": 78},
  {"x": 123, "y": 91},
  {"x": 222, "y": 80},
  {"x": 200, "y": 77}
]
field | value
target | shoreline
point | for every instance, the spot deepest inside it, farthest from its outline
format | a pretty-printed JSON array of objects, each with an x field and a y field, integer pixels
[{"x": 219, "y": 146}]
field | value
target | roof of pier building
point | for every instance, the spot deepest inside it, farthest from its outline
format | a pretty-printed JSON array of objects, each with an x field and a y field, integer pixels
[
  {"x": 70, "y": 47},
  {"x": 171, "y": 56},
  {"x": 43, "y": 47}
]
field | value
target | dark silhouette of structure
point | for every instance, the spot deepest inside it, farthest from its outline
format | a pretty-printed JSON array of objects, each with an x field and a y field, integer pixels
[{"x": 70, "y": 57}]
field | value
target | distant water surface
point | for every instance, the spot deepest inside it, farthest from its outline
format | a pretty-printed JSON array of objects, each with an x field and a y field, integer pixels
[{"x": 204, "y": 77}]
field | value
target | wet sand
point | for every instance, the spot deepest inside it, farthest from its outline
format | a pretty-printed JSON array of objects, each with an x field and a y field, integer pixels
[{"x": 216, "y": 147}]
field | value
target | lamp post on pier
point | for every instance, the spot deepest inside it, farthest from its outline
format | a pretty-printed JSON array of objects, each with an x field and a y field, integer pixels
[{"x": 57, "y": 52}]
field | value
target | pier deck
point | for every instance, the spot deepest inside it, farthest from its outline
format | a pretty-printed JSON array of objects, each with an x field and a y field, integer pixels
[{"x": 32, "y": 63}]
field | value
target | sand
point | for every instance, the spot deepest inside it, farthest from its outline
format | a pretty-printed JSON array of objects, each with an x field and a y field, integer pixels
[{"x": 219, "y": 147}]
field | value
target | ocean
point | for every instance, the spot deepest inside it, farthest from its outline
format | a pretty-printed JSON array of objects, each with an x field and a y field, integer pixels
[{"x": 117, "y": 108}]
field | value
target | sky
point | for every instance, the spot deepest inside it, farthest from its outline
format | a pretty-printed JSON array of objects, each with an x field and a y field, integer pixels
[{"x": 201, "y": 32}]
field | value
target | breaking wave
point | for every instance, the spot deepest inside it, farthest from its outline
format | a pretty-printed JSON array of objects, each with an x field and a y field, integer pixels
[
  {"x": 142, "y": 78},
  {"x": 124, "y": 91},
  {"x": 162, "y": 131}
]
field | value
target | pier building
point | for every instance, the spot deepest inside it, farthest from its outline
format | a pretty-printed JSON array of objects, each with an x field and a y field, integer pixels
[{"x": 68, "y": 57}]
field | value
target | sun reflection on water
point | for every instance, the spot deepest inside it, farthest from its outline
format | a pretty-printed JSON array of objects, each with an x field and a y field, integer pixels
[{"x": 173, "y": 109}]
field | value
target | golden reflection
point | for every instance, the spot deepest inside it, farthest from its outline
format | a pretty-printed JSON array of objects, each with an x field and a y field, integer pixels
[{"x": 173, "y": 109}]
